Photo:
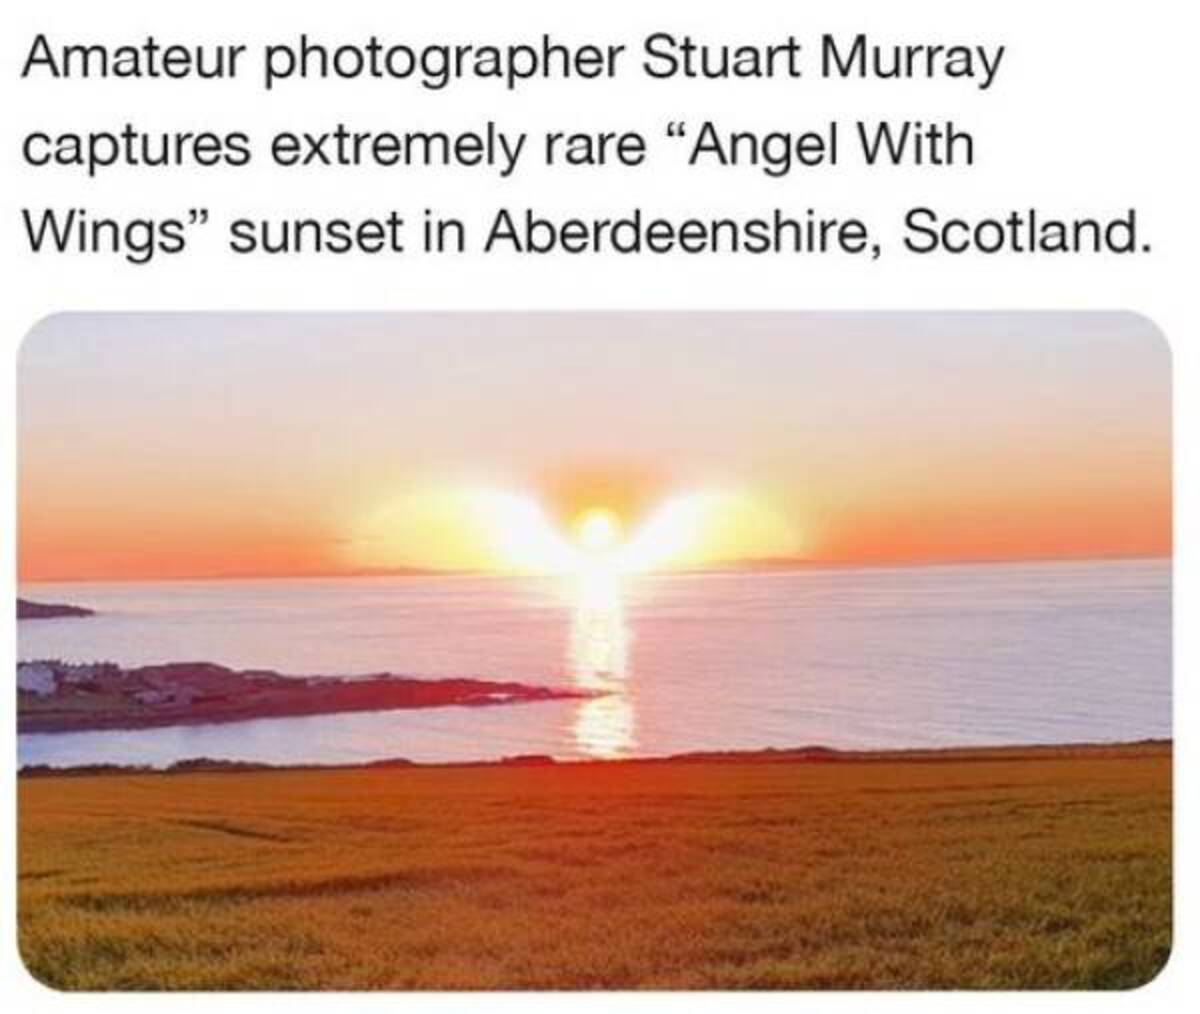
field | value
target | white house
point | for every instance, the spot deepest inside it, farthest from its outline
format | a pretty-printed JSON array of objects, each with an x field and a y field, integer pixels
[{"x": 36, "y": 678}]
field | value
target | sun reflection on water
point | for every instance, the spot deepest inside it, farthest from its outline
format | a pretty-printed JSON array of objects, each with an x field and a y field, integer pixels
[{"x": 597, "y": 658}]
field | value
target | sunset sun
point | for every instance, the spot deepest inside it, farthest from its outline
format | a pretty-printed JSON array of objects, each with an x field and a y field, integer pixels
[{"x": 598, "y": 531}]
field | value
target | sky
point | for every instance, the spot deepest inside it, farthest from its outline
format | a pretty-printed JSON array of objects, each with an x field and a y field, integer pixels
[{"x": 218, "y": 445}]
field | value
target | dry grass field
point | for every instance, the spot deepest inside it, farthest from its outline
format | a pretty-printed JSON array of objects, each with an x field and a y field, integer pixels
[{"x": 1014, "y": 869}]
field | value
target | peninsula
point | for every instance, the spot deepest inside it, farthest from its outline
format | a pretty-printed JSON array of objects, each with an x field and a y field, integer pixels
[
  {"x": 54, "y": 696},
  {"x": 27, "y": 610}
]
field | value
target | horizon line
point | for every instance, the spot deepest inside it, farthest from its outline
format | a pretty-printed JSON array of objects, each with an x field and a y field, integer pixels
[{"x": 752, "y": 565}]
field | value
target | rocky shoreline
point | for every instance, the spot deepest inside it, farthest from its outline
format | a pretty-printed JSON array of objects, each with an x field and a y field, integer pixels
[{"x": 54, "y": 696}]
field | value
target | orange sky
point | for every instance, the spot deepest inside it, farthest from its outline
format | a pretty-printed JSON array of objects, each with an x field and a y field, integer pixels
[{"x": 215, "y": 444}]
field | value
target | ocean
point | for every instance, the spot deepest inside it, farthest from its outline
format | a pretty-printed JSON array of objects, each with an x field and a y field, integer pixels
[{"x": 845, "y": 657}]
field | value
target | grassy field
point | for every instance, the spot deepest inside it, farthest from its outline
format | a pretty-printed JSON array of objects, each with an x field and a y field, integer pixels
[{"x": 1015, "y": 870}]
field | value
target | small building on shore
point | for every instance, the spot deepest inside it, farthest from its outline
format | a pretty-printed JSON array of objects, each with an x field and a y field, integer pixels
[{"x": 37, "y": 678}]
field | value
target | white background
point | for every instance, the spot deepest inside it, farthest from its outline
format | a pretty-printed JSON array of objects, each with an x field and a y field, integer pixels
[{"x": 1093, "y": 111}]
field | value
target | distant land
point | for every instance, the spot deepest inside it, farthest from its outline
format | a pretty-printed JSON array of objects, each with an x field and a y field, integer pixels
[
  {"x": 54, "y": 696},
  {"x": 27, "y": 610}
]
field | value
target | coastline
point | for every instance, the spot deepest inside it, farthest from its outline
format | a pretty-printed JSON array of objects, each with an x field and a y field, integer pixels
[
  {"x": 1032, "y": 752},
  {"x": 30, "y": 610},
  {"x": 57, "y": 697}
]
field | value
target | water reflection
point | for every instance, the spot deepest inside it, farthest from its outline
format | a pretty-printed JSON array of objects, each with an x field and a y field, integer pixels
[{"x": 597, "y": 657}]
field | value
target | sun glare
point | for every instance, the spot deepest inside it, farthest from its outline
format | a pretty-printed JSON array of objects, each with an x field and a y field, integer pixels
[
  {"x": 478, "y": 528},
  {"x": 598, "y": 531}
]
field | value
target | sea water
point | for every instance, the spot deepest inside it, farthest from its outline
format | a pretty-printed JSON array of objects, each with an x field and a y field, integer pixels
[{"x": 879, "y": 657}]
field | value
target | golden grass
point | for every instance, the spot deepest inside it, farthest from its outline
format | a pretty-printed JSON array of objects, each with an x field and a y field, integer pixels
[{"x": 1005, "y": 872}]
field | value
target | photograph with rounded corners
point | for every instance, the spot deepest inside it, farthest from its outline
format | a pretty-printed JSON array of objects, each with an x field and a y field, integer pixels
[{"x": 576, "y": 651}]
